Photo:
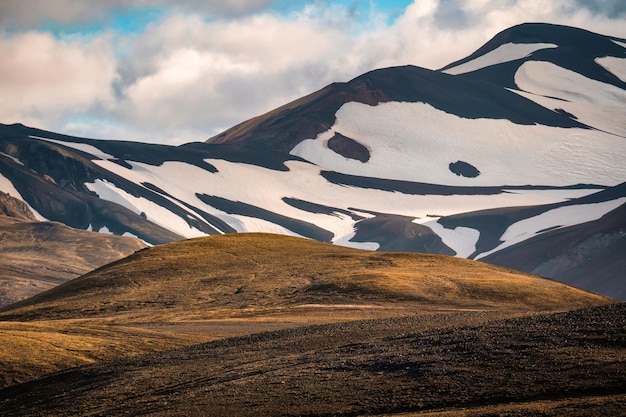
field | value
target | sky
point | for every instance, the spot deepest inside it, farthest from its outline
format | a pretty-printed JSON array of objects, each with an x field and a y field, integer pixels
[{"x": 173, "y": 72}]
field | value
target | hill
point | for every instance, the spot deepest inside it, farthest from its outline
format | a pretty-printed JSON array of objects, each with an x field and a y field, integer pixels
[
  {"x": 214, "y": 287},
  {"x": 253, "y": 275}
]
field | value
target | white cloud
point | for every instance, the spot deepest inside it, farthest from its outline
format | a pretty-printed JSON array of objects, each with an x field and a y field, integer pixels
[
  {"x": 43, "y": 78},
  {"x": 215, "y": 73}
]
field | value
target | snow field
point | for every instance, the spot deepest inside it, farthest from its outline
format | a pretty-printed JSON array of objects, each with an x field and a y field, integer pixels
[
  {"x": 594, "y": 103},
  {"x": 503, "y": 53},
  {"x": 422, "y": 141},
  {"x": 302, "y": 181},
  {"x": 551, "y": 219}
]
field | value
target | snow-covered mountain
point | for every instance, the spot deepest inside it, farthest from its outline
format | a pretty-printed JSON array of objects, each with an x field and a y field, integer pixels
[{"x": 513, "y": 155}]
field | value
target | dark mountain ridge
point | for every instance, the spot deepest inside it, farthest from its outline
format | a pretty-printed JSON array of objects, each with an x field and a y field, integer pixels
[
  {"x": 576, "y": 50},
  {"x": 283, "y": 128}
]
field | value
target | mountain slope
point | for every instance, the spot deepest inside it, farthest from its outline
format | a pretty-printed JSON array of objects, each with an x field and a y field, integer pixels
[
  {"x": 570, "y": 76},
  {"x": 308, "y": 117},
  {"x": 37, "y": 256},
  {"x": 572, "y": 71},
  {"x": 390, "y": 161},
  {"x": 584, "y": 255}
]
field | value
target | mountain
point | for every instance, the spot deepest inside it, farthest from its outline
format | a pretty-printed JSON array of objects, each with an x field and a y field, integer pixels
[
  {"x": 556, "y": 76},
  {"x": 37, "y": 256},
  {"x": 198, "y": 290},
  {"x": 522, "y": 142}
]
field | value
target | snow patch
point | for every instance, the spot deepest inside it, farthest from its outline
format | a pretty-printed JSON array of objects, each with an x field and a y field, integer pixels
[
  {"x": 253, "y": 224},
  {"x": 617, "y": 66},
  {"x": 105, "y": 230},
  {"x": 553, "y": 219},
  {"x": 622, "y": 44},
  {"x": 345, "y": 241},
  {"x": 128, "y": 234},
  {"x": 503, "y": 53},
  {"x": 594, "y": 103},
  {"x": 92, "y": 150},
  {"x": 6, "y": 186},
  {"x": 461, "y": 239}
]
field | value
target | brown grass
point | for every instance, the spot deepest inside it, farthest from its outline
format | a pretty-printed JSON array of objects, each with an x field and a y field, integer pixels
[
  {"x": 208, "y": 288},
  {"x": 33, "y": 349},
  {"x": 268, "y": 276}
]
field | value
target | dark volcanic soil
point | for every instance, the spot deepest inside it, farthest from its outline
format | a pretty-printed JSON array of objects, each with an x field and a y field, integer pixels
[{"x": 444, "y": 362}]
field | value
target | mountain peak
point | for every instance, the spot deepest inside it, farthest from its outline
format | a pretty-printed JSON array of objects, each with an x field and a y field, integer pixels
[{"x": 568, "y": 47}]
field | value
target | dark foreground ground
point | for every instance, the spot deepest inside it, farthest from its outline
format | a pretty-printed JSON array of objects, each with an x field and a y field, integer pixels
[{"x": 565, "y": 364}]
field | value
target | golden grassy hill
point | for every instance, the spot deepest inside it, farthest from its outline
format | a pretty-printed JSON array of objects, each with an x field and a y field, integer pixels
[
  {"x": 208, "y": 288},
  {"x": 273, "y": 277}
]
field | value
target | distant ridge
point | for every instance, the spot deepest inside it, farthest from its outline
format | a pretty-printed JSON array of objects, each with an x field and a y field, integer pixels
[{"x": 37, "y": 256}]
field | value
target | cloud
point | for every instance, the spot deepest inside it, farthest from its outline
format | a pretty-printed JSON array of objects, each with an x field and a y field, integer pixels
[
  {"x": 42, "y": 79},
  {"x": 32, "y": 12},
  {"x": 20, "y": 13},
  {"x": 609, "y": 8},
  {"x": 434, "y": 33},
  {"x": 206, "y": 74}
]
